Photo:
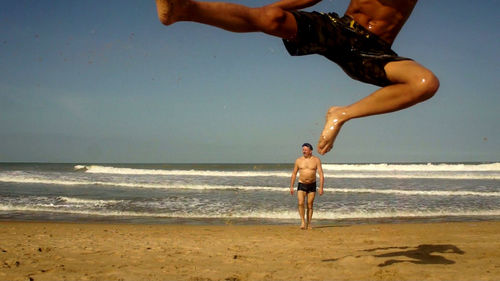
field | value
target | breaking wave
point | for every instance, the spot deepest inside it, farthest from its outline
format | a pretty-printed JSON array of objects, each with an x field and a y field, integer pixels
[{"x": 411, "y": 171}]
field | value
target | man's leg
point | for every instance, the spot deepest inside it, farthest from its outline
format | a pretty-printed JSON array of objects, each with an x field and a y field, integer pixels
[
  {"x": 310, "y": 201},
  {"x": 413, "y": 83},
  {"x": 301, "y": 195},
  {"x": 229, "y": 16}
]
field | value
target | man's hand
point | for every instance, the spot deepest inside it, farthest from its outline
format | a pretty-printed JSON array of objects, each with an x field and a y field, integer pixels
[
  {"x": 321, "y": 191},
  {"x": 291, "y": 190}
]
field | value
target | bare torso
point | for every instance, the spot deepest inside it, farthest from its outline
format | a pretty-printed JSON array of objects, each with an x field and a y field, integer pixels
[
  {"x": 385, "y": 18},
  {"x": 307, "y": 169}
]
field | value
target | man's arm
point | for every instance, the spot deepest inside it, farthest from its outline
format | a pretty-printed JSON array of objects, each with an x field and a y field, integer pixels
[
  {"x": 321, "y": 177},
  {"x": 294, "y": 4},
  {"x": 294, "y": 176}
]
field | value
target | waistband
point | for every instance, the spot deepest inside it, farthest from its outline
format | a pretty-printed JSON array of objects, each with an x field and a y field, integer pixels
[
  {"x": 351, "y": 24},
  {"x": 307, "y": 184}
]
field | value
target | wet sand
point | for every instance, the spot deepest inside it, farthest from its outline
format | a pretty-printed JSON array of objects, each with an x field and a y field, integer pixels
[{"x": 408, "y": 251}]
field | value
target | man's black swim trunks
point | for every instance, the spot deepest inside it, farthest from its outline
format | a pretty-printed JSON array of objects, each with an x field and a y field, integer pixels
[
  {"x": 360, "y": 53},
  {"x": 307, "y": 187}
]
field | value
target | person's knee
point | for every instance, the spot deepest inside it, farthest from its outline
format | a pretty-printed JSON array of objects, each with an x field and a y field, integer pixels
[
  {"x": 425, "y": 84},
  {"x": 309, "y": 206},
  {"x": 272, "y": 18},
  {"x": 301, "y": 204}
]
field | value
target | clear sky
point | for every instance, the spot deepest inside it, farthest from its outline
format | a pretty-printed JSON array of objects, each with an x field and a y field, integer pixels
[{"x": 104, "y": 81}]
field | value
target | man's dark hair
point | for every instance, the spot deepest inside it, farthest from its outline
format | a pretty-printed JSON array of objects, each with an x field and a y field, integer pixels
[{"x": 308, "y": 145}]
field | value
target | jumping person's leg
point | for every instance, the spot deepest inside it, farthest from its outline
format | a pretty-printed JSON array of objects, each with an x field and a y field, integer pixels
[
  {"x": 229, "y": 16},
  {"x": 413, "y": 83},
  {"x": 301, "y": 196}
]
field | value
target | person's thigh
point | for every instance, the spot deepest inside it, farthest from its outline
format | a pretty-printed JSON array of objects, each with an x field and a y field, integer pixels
[
  {"x": 301, "y": 195},
  {"x": 405, "y": 71},
  {"x": 310, "y": 198}
]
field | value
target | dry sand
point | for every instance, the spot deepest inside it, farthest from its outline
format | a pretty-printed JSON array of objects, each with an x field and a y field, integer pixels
[{"x": 71, "y": 251}]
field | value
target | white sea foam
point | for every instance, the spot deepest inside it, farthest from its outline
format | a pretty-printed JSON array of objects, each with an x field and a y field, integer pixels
[
  {"x": 28, "y": 180},
  {"x": 413, "y": 171},
  {"x": 35, "y": 190},
  {"x": 429, "y": 167},
  {"x": 87, "y": 201},
  {"x": 95, "y": 169},
  {"x": 415, "y": 192},
  {"x": 333, "y": 215},
  {"x": 132, "y": 185}
]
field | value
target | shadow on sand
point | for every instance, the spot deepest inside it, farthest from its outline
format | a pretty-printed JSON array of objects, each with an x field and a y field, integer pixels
[
  {"x": 422, "y": 254},
  {"x": 329, "y": 226}
]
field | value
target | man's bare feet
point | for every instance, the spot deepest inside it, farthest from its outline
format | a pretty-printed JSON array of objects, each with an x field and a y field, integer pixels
[
  {"x": 168, "y": 10},
  {"x": 335, "y": 118},
  {"x": 303, "y": 225}
]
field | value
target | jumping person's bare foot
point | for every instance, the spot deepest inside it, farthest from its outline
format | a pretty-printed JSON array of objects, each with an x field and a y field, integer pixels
[
  {"x": 168, "y": 10},
  {"x": 335, "y": 118}
]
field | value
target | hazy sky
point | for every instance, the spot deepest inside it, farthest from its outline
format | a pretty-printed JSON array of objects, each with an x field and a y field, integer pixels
[{"x": 104, "y": 81}]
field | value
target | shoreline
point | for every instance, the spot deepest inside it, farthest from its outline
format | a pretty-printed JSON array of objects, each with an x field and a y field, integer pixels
[
  {"x": 123, "y": 251},
  {"x": 50, "y": 217}
]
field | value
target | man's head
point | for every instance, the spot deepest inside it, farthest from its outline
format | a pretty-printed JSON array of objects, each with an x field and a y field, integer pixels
[{"x": 307, "y": 149}]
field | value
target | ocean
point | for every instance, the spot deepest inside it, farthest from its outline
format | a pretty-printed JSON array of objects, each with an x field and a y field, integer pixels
[{"x": 247, "y": 193}]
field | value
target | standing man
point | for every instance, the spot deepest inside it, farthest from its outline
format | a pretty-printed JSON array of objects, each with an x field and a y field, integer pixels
[
  {"x": 307, "y": 166},
  {"x": 359, "y": 42}
]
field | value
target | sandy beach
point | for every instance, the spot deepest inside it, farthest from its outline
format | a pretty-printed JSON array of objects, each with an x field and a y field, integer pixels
[{"x": 77, "y": 251}]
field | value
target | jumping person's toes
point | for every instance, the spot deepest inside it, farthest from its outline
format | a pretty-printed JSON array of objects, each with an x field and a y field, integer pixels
[{"x": 335, "y": 118}]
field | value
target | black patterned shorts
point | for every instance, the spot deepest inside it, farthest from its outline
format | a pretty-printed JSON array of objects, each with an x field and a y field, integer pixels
[{"x": 360, "y": 53}]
